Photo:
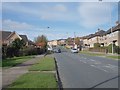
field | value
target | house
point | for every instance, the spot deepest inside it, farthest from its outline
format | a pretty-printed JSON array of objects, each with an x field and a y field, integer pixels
[
  {"x": 8, "y": 37},
  {"x": 104, "y": 38},
  {"x": 96, "y": 38},
  {"x": 61, "y": 42},
  {"x": 53, "y": 43},
  {"x": 112, "y": 36},
  {"x": 70, "y": 42},
  {"x": 40, "y": 44},
  {"x": 86, "y": 41},
  {"x": 31, "y": 43},
  {"x": 4, "y": 34}
]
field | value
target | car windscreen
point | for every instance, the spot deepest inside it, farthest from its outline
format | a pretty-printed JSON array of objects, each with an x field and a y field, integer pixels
[{"x": 74, "y": 49}]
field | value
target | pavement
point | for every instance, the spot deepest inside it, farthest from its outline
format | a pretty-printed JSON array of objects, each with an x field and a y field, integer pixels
[
  {"x": 83, "y": 71},
  {"x": 11, "y": 74}
]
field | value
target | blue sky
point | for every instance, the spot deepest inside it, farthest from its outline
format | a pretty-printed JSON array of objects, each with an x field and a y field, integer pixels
[{"x": 63, "y": 18}]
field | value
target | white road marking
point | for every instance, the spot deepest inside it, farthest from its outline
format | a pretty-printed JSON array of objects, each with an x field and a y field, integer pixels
[
  {"x": 112, "y": 65},
  {"x": 99, "y": 68},
  {"x": 92, "y": 60},
  {"x": 95, "y": 62},
  {"x": 84, "y": 62},
  {"x": 93, "y": 65},
  {"x": 104, "y": 70}
]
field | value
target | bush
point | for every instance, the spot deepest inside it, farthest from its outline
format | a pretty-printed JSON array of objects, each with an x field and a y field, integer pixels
[
  {"x": 96, "y": 45},
  {"x": 98, "y": 49},
  {"x": 4, "y": 50},
  {"x": 10, "y": 52},
  {"x": 115, "y": 50},
  {"x": 31, "y": 51}
]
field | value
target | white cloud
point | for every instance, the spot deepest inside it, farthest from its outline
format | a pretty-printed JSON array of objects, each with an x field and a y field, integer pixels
[
  {"x": 56, "y": 12},
  {"x": 30, "y": 30},
  {"x": 94, "y": 14},
  {"x": 58, "y": 1},
  {"x": 13, "y": 25},
  {"x": 0, "y": 16},
  {"x": 60, "y": 7},
  {"x": 23, "y": 26}
]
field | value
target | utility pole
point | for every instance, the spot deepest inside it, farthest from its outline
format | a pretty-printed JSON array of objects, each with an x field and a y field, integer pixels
[
  {"x": 74, "y": 40},
  {"x": 110, "y": 12},
  {"x": 111, "y": 30}
]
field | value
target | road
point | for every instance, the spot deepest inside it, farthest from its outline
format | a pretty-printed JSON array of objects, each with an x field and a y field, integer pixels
[{"x": 83, "y": 71}]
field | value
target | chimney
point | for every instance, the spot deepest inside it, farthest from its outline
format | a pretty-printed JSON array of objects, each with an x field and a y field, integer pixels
[
  {"x": 117, "y": 23},
  {"x": 98, "y": 29}
]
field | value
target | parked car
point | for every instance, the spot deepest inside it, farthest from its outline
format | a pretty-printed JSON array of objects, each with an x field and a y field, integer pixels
[
  {"x": 74, "y": 50},
  {"x": 57, "y": 50}
]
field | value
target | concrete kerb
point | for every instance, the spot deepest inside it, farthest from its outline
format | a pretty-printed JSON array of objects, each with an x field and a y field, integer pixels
[{"x": 60, "y": 86}]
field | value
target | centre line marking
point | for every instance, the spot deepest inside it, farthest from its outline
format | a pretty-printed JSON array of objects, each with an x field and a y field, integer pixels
[
  {"x": 93, "y": 65},
  {"x": 99, "y": 68},
  {"x": 92, "y": 60}
]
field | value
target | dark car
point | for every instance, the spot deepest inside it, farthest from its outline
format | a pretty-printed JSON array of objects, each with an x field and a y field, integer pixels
[{"x": 57, "y": 50}]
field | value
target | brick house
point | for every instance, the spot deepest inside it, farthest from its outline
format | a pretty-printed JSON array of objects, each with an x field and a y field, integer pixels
[
  {"x": 105, "y": 38},
  {"x": 8, "y": 37}
]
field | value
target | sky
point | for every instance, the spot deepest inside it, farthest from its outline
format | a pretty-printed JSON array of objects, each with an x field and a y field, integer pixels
[{"x": 63, "y": 18}]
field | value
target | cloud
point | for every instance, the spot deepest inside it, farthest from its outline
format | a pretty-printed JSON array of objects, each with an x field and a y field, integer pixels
[
  {"x": 59, "y": 1},
  {"x": 94, "y": 14},
  {"x": 13, "y": 25},
  {"x": 60, "y": 7},
  {"x": 89, "y": 15},
  {"x": 30, "y": 30},
  {"x": 0, "y": 16},
  {"x": 44, "y": 11},
  {"x": 9, "y": 24}
]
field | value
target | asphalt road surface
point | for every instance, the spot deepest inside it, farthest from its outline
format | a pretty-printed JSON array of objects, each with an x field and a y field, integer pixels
[{"x": 83, "y": 71}]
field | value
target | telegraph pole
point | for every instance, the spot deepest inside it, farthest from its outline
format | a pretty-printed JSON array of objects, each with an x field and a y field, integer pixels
[{"x": 111, "y": 30}]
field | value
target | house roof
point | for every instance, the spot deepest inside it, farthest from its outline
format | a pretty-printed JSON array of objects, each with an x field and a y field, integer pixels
[
  {"x": 88, "y": 36},
  {"x": 115, "y": 28},
  {"x": 24, "y": 37},
  {"x": 40, "y": 44},
  {"x": 31, "y": 42},
  {"x": 12, "y": 33},
  {"x": 60, "y": 39},
  {"x": 100, "y": 33},
  {"x": 5, "y": 34}
]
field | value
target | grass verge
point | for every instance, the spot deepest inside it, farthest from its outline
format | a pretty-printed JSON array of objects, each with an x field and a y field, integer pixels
[
  {"x": 45, "y": 64},
  {"x": 114, "y": 57},
  {"x": 91, "y": 54},
  {"x": 10, "y": 62},
  {"x": 99, "y": 54},
  {"x": 35, "y": 80},
  {"x": 38, "y": 80}
]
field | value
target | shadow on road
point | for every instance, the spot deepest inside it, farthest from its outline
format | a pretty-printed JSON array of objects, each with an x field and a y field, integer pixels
[{"x": 92, "y": 88}]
